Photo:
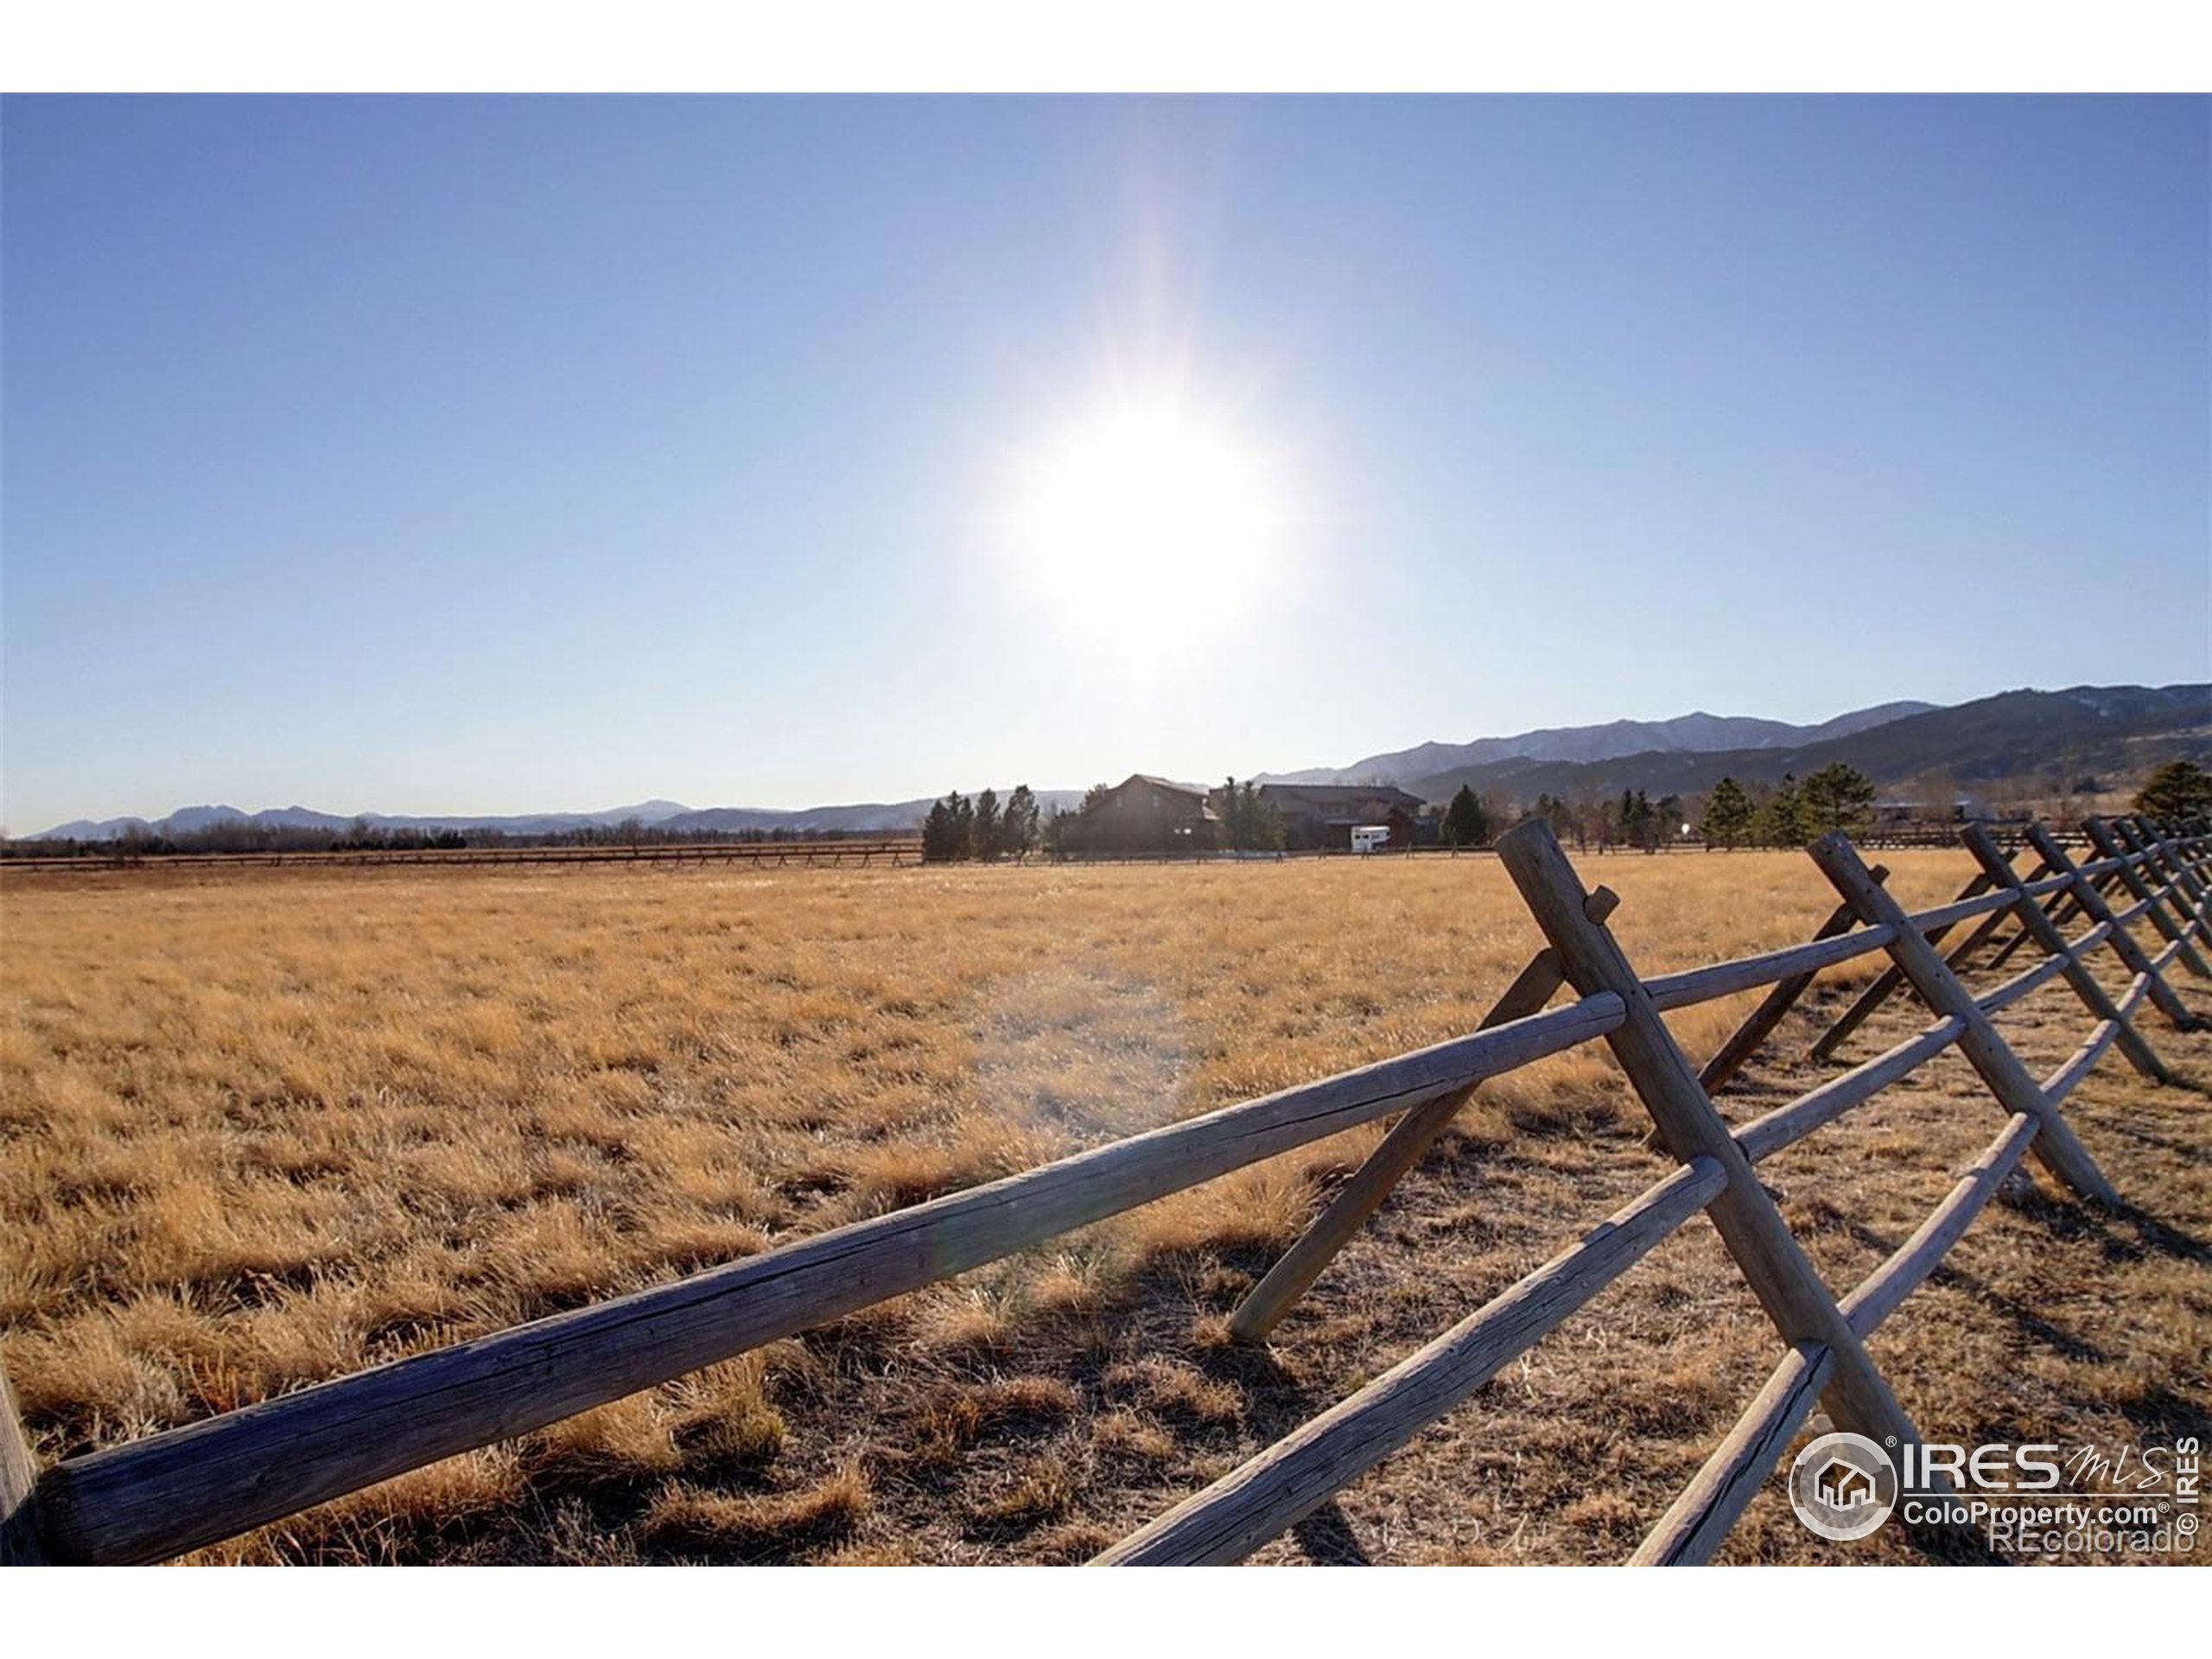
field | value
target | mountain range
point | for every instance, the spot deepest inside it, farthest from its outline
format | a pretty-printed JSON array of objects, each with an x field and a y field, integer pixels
[
  {"x": 2051, "y": 741},
  {"x": 865, "y": 818},
  {"x": 2045, "y": 742},
  {"x": 1694, "y": 734}
]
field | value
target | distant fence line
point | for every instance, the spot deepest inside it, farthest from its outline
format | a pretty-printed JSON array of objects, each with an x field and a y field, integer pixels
[
  {"x": 182, "y": 1488},
  {"x": 889, "y": 850},
  {"x": 885, "y": 851},
  {"x": 2007, "y": 834}
]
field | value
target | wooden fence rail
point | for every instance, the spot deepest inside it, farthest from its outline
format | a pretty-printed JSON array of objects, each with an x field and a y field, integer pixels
[
  {"x": 176, "y": 1490},
  {"x": 173, "y": 1492}
]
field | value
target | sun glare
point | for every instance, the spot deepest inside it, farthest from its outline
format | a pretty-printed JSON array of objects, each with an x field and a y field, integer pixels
[{"x": 1149, "y": 508}]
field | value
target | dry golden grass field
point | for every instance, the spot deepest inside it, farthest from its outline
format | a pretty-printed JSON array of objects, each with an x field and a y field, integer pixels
[{"x": 260, "y": 1128}]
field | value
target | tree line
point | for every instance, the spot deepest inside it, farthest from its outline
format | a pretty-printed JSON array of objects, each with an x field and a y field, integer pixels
[
  {"x": 1249, "y": 825},
  {"x": 243, "y": 835},
  {"x": 1633, "y": 819},
  {"x": 1787, "y": 814},
  {"x": 1790, "y": 813},
  {"x": 958, "y": 828}
]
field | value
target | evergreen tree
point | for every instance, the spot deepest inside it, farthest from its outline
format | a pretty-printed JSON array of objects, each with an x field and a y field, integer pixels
[
  {"x": 1263, "y": 822},
  {"x": 1231, "y": 808},
  {"x": 984, "y": 832},
  {"x": 1247, "y": 824},
  {"x": 1017, "y": 827},
  {"x": 1078, "y": 831},
  {"x": 1837, "y": 796},
  {"x": 936, "y": 834},
  {"x": 1781, "y": 822},
  {"x": 964, "y": 824},
  {"x": 2178, "y": 791},
  {"x": 1727, "y": 815},
  {"x": 1464, "y": 824}
]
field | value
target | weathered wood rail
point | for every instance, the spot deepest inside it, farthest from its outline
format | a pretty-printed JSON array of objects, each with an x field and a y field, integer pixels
[{"x": 171, "y": 1492}]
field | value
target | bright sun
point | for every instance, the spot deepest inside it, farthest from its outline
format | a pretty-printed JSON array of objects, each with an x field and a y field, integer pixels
[{"x": 1151, "y": 508}]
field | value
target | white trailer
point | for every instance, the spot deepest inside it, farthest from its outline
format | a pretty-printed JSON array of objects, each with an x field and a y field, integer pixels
[{"x": 1370, "y": 837}]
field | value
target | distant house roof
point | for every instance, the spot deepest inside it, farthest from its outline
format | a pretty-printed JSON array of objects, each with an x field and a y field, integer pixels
[
  {"x": 1325, "y": 795},
  {"x": 1196, "y": 797},
  {"x": 1162, "y": 783}
]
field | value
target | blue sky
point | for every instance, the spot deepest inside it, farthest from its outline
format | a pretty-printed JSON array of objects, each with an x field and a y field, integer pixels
[{"x": 475, "y": 455}]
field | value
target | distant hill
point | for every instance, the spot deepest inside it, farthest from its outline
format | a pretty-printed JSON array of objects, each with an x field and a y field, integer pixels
[
  {"x": 866, "y": 818},
  {"x": 1693, "y": 733},
  {"x": 890, "y": 818},
  {"x": 187, "y": 819},
  {"x": 2053, "y": 738}
]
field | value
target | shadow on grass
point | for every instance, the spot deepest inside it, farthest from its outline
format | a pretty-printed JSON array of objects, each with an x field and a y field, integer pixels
[{"x": 1278, "y": 1404}]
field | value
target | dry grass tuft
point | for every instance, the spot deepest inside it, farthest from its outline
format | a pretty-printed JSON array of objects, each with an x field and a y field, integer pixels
[
  {"x": 689, "y": 1522},
  {"x": 1168, "y": 1389}
]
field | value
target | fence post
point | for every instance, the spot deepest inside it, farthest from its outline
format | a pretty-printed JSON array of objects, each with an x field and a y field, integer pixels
[
  {"x": 2193, "y": 860},
  {"x": 2181, "y": 868},
  {"x": 19, "y": 1536},
  {"x": 1293, "y": 1274},
  {"x": 2188, "y": 854},
  {"x": 2122, "y": 941},
  {"x": 2055, "y": 1144},
  {"x": 2060, "y": 907},
  {"x": 1764, "y": 1249},
  {"x": 1729, "y": 1057},
  {"x": 1887, "y": 981},
  {"x": 1988, "y": 927},
  {"x": 2170, "y": 919},
  {"x": 2094, "y": 995}
]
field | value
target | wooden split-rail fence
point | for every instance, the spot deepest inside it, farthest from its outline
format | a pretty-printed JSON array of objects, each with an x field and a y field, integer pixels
[{"x": 177, "y": 1491}]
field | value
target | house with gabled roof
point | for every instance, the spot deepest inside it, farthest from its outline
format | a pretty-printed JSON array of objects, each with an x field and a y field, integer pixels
[
  {"x": 1325, "y": 815},
  {"x": 1145, "y": 814}
]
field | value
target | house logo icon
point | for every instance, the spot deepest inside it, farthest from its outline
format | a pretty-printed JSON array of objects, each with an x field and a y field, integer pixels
[{"x": 1843, "y": 1486}]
